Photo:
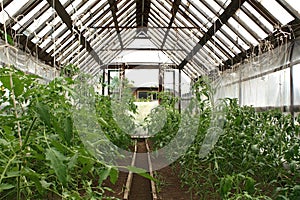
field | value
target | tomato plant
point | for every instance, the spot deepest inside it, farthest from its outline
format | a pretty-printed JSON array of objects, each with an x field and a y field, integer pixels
[{"x": 41, "y": 154}]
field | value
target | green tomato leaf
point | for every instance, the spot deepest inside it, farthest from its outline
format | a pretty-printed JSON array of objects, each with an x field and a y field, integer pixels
[
  {"x": 5, "y": 186},
  {"x": 73, "y": 161},
  {"x": 57, "y": 164},
  {"x": 43, "y": 113},
  {"x": 17, "y": 83},
  {"x": 104, "y": 173},
  {"x": 140, "y": 172},
  {"x": 114, "y": 174},
  {"x": 5, "y": 80},
  {"x": 34, "y": 177},
  {"x": 68, "y": 129}
]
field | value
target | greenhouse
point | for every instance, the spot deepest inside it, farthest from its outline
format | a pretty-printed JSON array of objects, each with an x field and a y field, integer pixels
[{"x": 149, "y": 99}]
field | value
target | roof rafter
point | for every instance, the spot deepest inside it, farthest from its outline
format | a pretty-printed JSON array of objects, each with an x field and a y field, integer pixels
[
  {"x": 23, "y": 11},
  {"x": 174, "y": 11},
  {"x": 264, "y": 12},
  {"x": 61, "y": 11},
  {"x": 291, "y": 27},
  {"x": 142, "y": 12},
  {"x": 114, "y": 8},
  {"x": 289, "y": 8},
  {"x": 224, "y": 17},
  {"x": 35, "y": 50},
  {"x": 4, "y": 3}
]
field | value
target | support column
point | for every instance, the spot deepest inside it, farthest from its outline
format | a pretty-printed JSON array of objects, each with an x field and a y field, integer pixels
[
  {"x": 292, "y": 92},
  {"x": 122, "y": 78},
  {"x": 179, "y": 91},
  {"x": 174, "y": 85},
  {"x": 160, "y": 81},
  {"x": 240, "y": 88},
  {"x": 103, "y": 82},
  {"x": 292, "y": 104},
  {"x": 108, "y": 82}
]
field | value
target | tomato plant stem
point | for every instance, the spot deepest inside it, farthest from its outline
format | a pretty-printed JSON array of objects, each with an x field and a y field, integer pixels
[
  {"x": 15, "y": 107},
  {"x": 6, "y": 167}
]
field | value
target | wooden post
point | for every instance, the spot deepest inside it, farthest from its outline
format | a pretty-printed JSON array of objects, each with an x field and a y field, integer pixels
[
  {"x": 160, "y": 81},
  {"x": 122, "y": 78},
  {"x": 179, "y": 91},
  {"x": 292, "y": 84},
  {"x": 240, "y": 88},
  {"x": 108, "y": 82},
  {"x": 103, "y": 82}
]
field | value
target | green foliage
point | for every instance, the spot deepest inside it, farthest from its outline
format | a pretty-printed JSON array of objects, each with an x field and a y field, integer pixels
[
  {"x": 51, "y": 162},
  {"x": 167, "y": 114},
  {"x": 237, "y": 153},
  {"x": 69, "y": 70},
  {"x": 7, "y": 37}
]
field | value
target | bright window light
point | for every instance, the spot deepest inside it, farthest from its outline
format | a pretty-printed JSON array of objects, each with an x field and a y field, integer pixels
[
  {"x": 11, "y": 10},
  {"x": 254, "y": 27},
  {"x": 243, "y": 31},
  {"x": 277, "y": 11},
  {"x": 295, "y": 4},
  {"x": 261, "y": 18}
]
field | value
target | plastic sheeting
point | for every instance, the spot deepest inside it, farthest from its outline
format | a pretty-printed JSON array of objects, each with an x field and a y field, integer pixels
[
  {"x": 296, "y": 72},
  {"x": 264, "y": 80},
  {"x": 25, "y": 62}
]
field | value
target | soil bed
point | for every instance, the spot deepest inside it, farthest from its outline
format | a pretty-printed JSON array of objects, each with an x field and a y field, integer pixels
[
  {"x": 141, "y": 187},
  {"x": 168, "y": 188}
]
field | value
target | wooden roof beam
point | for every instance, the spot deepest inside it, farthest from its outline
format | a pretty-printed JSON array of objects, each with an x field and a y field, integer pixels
[
  {"x": 66, "y": 18},
  {"x": 142, "y": 12},
  {"x": 289, "y": 8},
  {"x": 224, "y": 17},
  {"x": 293, "y": 28},
  {"x": 35, "y": 50},
  {"x": 174, "y": 11},
  {"x": 114, "y": 8}
]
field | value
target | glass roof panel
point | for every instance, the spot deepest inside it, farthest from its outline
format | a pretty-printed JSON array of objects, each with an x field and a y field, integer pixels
[
  {"x": 183, "y": 19},
  {"x": 122, "y": 7},
  {"x": 95, "y": 16},
  {"x": 45, "y": 30},
  {"x": 254, "y": 27},
  {"x": 224, "y": 3},
  {"x": 261, "y": 18},
  {"x": 212, "y": 54},
  {"x": 83, "y": 9},
  {"x": 71, "y": 49},
  {"x": 193, "y": 13},
  {"x": 11, "y": 10},
  {"x": 58, "y": 41},
  {"x": 38, "y": 22},
  {"x": 74, "y": 53},
  {"x": 167, "y": 4},
  {"x": 295, "y": 4},
  {"x": 200, "y": 6},
  {"x": 223, "y": 46},
  {"x": 243, "y": 31},
  {"x": 29, "y": 15},
  {"x": 161, "y": 8},
  {"x": 61, "y": 46},
  {"x": 235, "y": 37},
  {"x": 229, "y": 44},
  {"x": 277, "y": 11},
  {"x": 216, "y": 50},
  {"x": 204, "y": 58},
  {"x": 156, "y": 18},
  {"x": 72, "y": 6},
  {"x": 216, "y": 7}
]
